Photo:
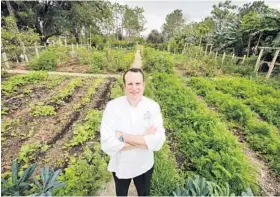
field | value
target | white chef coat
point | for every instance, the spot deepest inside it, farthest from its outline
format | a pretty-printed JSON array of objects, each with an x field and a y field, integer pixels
[{"x": 119, "y": 115}]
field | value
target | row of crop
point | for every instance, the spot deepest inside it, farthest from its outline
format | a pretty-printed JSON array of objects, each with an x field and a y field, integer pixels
[
  {"x": 107, "y": 60},
  {"x": 84, "y": 173},
  {"x": 14, "y": 82},
  {"x": 87, "y": 173},
  {"x": 262, "y": 99},
  {"x": 207, "y": 147},
  {"x": 261, "y": 136},
  {"x": 157, "y": 61}
]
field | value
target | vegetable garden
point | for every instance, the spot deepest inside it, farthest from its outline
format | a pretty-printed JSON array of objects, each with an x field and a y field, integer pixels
[{"x": 54, "y": 120}]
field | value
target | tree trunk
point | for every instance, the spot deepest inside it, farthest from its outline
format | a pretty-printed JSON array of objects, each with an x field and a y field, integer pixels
[
  {"x": 249, "y": 43},
  {"x": 256, "y": 49},
  {"x": 76, "y": 34}
]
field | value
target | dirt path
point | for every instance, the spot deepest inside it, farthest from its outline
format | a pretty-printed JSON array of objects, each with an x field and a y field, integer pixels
[
  {"x": 67, "y": 73},
  {"x": 137, "y": 61},
  {"x": 110, "y": 186}
]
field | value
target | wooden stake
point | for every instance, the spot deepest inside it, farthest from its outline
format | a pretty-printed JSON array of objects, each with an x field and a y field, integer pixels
[
  {"x": 205, "y": 53},
  {"x": 36, "y": 50},
  {"x": 272, "y": 64},
  {"x": 216, "y": 55},
  {"x": 6, "y": 60},
  {"x": 224, "y": 55},
  {"x": 257, "y": 66},
  {"x": 244, "y": 57}
]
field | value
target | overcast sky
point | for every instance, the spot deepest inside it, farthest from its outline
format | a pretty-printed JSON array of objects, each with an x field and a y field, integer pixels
[{"x": 156, "y": 10}]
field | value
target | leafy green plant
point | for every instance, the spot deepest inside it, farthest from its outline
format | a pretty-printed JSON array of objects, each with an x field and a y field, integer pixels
[
  {"x": 42, "y": 110},
  {"x": 86, "y": 174},
  {"x": 203, "y": 140},
  {"x": 47, "y": 182},
  {"x": 86, "y": 131},
  {"x": 199, "y": 186},
  {"x": 16, "y": 81},
  {"x": 19, "y": 184}
]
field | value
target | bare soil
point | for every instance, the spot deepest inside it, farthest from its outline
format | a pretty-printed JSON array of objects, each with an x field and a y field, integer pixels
[{"x": 42, "y": 132}]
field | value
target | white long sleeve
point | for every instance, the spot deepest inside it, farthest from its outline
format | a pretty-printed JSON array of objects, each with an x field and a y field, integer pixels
[
  {"x": 155, "y": 142},
  {"x": 109, "y": 143}
]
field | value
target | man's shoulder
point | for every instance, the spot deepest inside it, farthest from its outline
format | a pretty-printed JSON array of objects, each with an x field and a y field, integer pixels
[
  {"x": 150, "y": 101},
  {"x": 116, "y": 101}
]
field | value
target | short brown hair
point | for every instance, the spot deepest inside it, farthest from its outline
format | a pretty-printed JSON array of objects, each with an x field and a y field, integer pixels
[{"x": 135, "y": 70}]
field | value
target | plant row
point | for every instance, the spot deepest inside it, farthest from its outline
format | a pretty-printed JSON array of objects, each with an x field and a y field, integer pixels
[
  {"x": 107, "y": 60},
  {"x": 208, "y": 148},
  {"x": 262, "y": 99},
  {"x": 157, "y": 61},
  {"x": 261, "y": 136}
]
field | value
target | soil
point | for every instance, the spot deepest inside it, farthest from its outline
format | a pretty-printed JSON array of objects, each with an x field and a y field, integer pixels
[{"x": 43, "y": 133}]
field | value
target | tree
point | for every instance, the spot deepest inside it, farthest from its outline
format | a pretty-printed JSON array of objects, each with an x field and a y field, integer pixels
[
  {"x": 155, "y": 37},
  {"x": 134, "y": 21},
  {"x": 174, "y": 23}
]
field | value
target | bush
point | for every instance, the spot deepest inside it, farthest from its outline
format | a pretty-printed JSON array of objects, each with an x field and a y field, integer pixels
[{"x": 47, "y": 61}]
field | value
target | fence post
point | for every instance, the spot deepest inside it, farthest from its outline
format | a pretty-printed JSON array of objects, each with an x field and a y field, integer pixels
[
  {"x": 205, "y": 53},
  {"x": 224, "y": 55},
  {"x": 72, "y": 47},
  {"x": 244, "y": 57},
  {"x": 216, "y": 55},
  {"x": 258, "y": 60},
  {"x": 232, "y": 56},
  {"x": 272, "y": 64},
  {"x": 210, "y": 49},
  {"x": 6, "y": 60},
  {"x": 36, "y": 50},
  {"x": 77, "y": 45},
  {"x": 65, "y": 42}
]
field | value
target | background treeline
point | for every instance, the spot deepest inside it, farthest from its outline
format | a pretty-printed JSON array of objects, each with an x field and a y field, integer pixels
[{"x": 238, "y": 30}]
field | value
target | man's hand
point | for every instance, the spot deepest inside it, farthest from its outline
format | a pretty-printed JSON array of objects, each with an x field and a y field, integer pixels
[{"x": 150, "y": 131}]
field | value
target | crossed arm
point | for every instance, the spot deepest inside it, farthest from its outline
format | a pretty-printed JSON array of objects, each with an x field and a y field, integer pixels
[{"x": 135, "y": 141}]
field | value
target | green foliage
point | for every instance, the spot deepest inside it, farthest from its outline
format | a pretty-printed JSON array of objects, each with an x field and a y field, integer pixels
[
  {"x": 68, "y": 90},
  {"x": 166, "y": 173},
  {"x": 261, "y": 136},
  {"x": 98, "y": 61},
  {"x": 116, "y": 90},
  {"x": 48, "y": 182},
  {"x": 155, "y": 61},
  {"x": 210, "y": 149},
  {"x": 27, "y": 152},
  {"x": 84, "y": 55},
  {"x": 118, "y": 60},
  {"x": 19, "y": 184},
  {"x": 85, "y": 175},
  {"x": 16, "y": 81},
  {"x": 12, "y": 40},
  {"x": 42, "y": 110},
  {"x": 86, "y": 99},
  {"x": 47, "y": 61},
  {"x": 50, "y": 58},
  {"x": 199, "y": 186},
  {"x": 86, "y": 131}
]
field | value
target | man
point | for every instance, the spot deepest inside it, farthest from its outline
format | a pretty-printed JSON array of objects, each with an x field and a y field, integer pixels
[{"x": 131, "y": 130}]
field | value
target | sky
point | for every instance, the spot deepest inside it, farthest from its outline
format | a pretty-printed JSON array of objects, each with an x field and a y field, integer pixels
[{"x": 156, "y": 10}]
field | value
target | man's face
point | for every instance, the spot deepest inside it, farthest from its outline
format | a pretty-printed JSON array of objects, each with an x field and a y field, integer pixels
[{"x": 134, "y": 86}]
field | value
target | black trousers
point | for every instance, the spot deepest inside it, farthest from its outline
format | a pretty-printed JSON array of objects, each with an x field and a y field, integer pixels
[{"x": 142, "y": 184}]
